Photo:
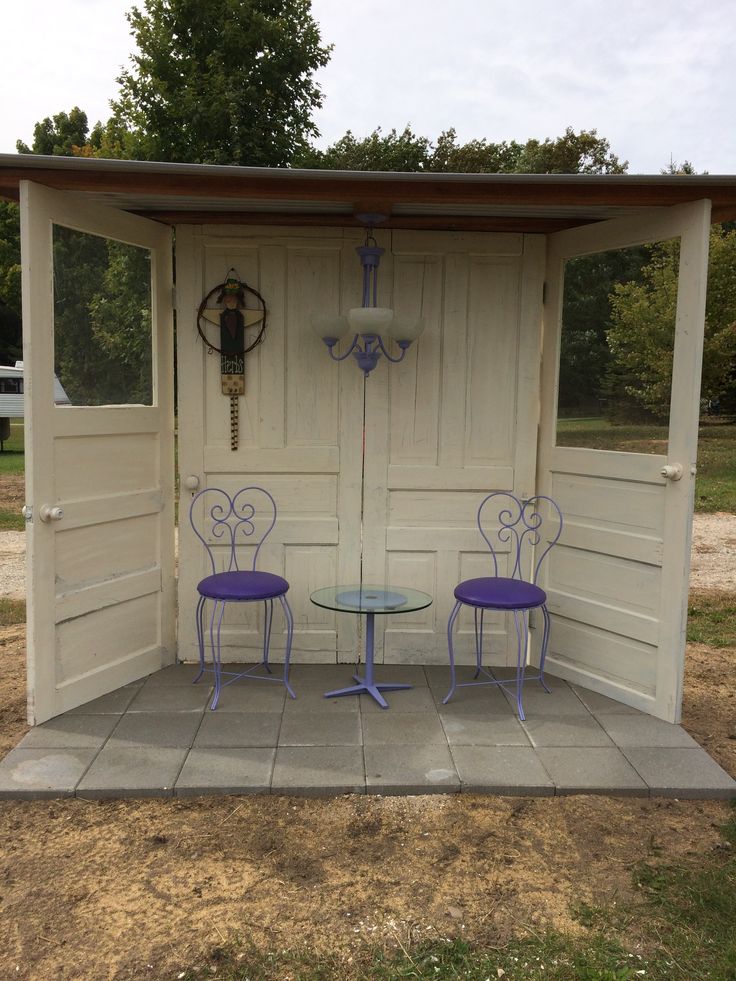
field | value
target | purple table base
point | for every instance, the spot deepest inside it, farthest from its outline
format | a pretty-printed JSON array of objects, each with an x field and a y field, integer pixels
[{"x": 367, "y": 684}]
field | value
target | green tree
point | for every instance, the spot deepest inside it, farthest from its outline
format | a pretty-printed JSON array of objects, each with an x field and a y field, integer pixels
[
  {"x": 395, "y": 151},
  {"x": 572, "y": 153},
  {"x": 58, "y": 135},
  {"x": 641, "y": 335},
  {"x": 585, "y": 356},
  {"x": 102, "y": 319},
  {"x": 11, "y": 345},
  {"x": 221, "y": 81}
]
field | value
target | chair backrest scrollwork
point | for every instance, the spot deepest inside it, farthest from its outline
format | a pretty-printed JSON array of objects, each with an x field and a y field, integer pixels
[
  {"x": 245, "y": 518},
  {"x": 521, "y": 527}
]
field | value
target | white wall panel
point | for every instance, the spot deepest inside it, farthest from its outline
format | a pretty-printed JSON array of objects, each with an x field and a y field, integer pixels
[
  {"x": 311, "y": 392},
  {"x": 434, "y": 446},
  {"x": 492, "y": 346}
]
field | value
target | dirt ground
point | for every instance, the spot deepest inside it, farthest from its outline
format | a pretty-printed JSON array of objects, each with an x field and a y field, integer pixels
[{"x": 144, "y": 889}]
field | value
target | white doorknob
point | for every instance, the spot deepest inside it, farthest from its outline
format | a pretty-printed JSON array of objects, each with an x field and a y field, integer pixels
[
  {"x": 191, "y": 482},
  {"x": 672, "y": 471},
  {"x": 49, "y": 512}
]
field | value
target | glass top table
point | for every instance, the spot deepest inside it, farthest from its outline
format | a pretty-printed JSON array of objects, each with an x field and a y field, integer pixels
[{"x": 369, "y": 600}]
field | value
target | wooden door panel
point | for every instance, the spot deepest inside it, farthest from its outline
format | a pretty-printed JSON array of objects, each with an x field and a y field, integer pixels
[
  {"x": 101, "y": 603},
  {"x": 617, "y": 582}
]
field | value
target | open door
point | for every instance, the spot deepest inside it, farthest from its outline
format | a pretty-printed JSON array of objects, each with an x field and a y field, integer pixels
[
  {"x": 617, "y": 582},
  {"x": 97, "y": 290}
]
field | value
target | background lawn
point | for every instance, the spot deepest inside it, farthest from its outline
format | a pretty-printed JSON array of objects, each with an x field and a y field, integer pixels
[
  {"x": 12, "y": 458},
  {"x": 12, "y": 469}
]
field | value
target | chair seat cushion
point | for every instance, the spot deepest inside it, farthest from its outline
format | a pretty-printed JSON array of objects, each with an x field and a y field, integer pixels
[
  {"x": 498, "y": 593},
  {"x": 242, "y": 586}
]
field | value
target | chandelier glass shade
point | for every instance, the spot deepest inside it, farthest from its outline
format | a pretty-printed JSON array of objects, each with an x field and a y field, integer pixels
[{"x": 369, "y": 323}]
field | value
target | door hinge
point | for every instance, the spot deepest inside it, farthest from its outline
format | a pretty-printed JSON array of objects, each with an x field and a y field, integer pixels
[{"x": 173, "y": 298}]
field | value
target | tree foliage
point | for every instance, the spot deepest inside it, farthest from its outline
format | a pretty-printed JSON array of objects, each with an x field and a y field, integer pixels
[
  {"x": 572, "y": 153},
  {"x": 102, "y": 319},
  {"x": 10, "y": 300},
  {"x": 641, "y": 335},
  {"x": 58, "y": 136},
  {"x": 219, "y": 81},
  {"x": 585, "y": 355}
]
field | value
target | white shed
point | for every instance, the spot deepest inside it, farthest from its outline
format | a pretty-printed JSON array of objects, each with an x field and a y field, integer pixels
[{"x": 472, "y": 408}]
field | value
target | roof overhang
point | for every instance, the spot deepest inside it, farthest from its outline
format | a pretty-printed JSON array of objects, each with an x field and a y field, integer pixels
[{"x": 206, "y": 193}]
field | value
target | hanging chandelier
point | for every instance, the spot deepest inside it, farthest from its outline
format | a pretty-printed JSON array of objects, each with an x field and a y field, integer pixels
[{"x": 368, "y": 323}]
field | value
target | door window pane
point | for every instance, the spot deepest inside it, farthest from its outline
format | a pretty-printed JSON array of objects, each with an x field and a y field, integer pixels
[
  {"x": 617, "y": 343},
  {"x": 102, "y": 320}
]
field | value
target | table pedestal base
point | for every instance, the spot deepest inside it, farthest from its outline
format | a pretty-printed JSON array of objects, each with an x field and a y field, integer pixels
[
  {"x": 374, "y": 690},
  {"x": 367, "y": 684}
]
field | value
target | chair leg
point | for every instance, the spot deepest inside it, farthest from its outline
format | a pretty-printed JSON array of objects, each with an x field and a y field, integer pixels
[
  {"x": 289, "y": 637},
  {"x": 215, "y": 643},
  {"x": 478, "y": 640},
  {"x": 522, "y": 633},
  {"x": 199, "y": 616},
  {"x": 451, "y": 652},
  {"x": 268, "y": 620},
  {"x": 545, "y": 639}
]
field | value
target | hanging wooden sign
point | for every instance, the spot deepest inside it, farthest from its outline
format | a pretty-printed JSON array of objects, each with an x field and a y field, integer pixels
[{"x": 233, "y": 318}]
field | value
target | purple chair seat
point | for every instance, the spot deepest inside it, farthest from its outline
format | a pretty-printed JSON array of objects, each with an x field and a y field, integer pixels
[
  {"x": 496, "y": 592},
  {"x": 242, "y": 586}
]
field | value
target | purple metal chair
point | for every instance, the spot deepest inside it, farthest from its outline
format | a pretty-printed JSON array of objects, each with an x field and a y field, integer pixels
[
  {"x": 232, "y": 522},
  {"x": 520, "y": 527}
]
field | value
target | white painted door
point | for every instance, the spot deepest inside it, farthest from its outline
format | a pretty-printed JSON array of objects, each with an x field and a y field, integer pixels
[
  {"x": 299, "y": 429},
  {"x": 456, "y": 419},
  {"x": 99, "y": 473},
  {"x": 617, "y": 582}
]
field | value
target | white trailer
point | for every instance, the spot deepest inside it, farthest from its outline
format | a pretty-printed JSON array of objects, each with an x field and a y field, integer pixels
[{"x": 11, "y": 396}]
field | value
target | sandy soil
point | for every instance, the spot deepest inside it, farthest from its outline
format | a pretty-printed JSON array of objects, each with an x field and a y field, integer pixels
[
  {"x": 713, "y": 556},
  {"x": 144, "y": 889}
]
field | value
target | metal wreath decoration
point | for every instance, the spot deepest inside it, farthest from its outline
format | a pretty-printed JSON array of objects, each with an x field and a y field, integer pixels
[
  {"x": 232, "y": 317},
  {"x": 232, "y": 285}
]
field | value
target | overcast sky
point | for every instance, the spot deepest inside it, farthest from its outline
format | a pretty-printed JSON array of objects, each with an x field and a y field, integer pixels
[{"x": 656, "y": 78}]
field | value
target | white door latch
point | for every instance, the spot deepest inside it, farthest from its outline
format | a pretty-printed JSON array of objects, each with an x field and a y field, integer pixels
[
  {"x": 49, "y": 512},
  {"x": 191, "y": 482},
  {"x": 672, "y": 471}
]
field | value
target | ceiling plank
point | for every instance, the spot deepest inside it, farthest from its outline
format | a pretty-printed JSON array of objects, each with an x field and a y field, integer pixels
[{"x": 456, "y": 223}]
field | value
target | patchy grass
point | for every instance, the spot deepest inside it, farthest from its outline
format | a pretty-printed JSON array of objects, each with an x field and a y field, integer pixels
[
  {"x": 12, "y": 458},
  {"x": 715, "y": 485},
  {"x": 711, "y": 618},
  {"x": 680, "y": 929},
  {"x": 12, "y": 464},
  {"x": 12, "y": 612},
  {"x": 11, "y": 521},
  {"x": 553, "y": 956},
  {"x": 691, "y": 913}
]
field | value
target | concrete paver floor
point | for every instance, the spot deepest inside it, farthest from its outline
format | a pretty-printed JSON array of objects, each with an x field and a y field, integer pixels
[{"x": 158, "y": 738}]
